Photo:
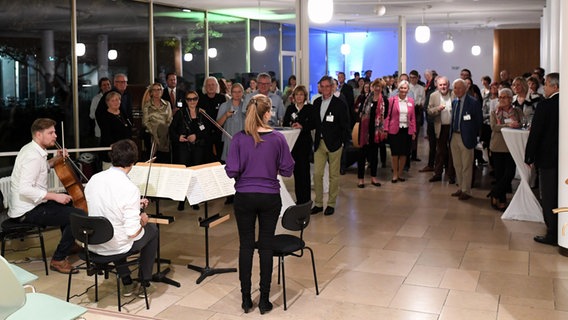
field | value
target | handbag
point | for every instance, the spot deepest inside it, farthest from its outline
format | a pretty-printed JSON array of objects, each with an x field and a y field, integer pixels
[{"x": 355, "y": 135}]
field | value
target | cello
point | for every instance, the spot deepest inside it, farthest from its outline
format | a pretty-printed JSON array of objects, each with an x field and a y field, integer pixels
[{"x": 66, "y": 172}]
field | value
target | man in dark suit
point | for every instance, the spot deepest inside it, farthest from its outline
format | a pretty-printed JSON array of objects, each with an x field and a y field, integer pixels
[
  {"x": 466, "y": 122},
  {"x": 542, "y": 151},
  {"x": 175, "y": 96},
  {"x": 332, "y": 131}
]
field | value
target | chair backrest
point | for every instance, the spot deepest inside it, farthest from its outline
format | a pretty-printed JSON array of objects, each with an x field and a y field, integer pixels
[
  {"x": 297, "y": 217},
  {"x": 12, "y": 295},
  {"x": 91, "y": 229}
]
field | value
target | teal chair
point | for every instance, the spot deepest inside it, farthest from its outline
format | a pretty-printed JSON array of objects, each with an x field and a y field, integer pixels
[
  {"x": 24, "y": 277},
  {"x": 15, "y": 304}
]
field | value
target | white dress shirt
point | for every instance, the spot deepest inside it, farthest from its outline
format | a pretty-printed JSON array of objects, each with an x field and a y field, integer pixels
[
  {"x": 111, "y": 194},
  {"x": 28, "y": 182}
]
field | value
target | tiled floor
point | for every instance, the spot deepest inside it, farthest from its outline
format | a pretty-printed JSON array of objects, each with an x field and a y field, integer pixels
[{"x": 401, "y": 251}]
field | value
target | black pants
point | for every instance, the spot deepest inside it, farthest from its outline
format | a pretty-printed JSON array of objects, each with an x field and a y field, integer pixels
[
  {"x": 52, "y": 213},
  {"x": 249, "y": 206},
  {"x": 147, "y": 246},
  {"x": 431, "y": 132},
  {"x": 444, "y": 154},
  {"x": 302, "y": 178},
  {"x": 548, "y": 184},
  {"x": 370, "y": 153},
  {"x": 504, "y": 168}
]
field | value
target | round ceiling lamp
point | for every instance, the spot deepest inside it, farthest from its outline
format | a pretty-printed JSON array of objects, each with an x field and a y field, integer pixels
[
  {"x": 345, "y": 49},
  {"x": 380, "y": 10},
  {"x": 188, "y": 57},
  {"x": 212, "y": 52},
  {"x": 259, "y": 43},
  {"x": 112, "y": 54},
  {"x": 320, "y": 11},
  {"x": 448, "y": 44},
  {"x": 422, "y": 32},
  {"x": 476, "y": 50},
  {"x": 80, "y": 49}
]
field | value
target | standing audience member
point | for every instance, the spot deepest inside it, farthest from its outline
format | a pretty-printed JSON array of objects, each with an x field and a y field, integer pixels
[
  {"x": 104, "y": 87},
  {"x": 287, "y": 96},
  {"x": 542, "y": 151},
  {"x": 31, "y": 202},
  {"x": 332, "y": 132},
  {"x": 440, "y": 111},
  {"x": 172, "y": 94},
  {"x": 210, "y": 100},
  {"x": 355, "y": 81},
  {"x": 503, "y": 164},
  {"x": 189, "y": 133},
  {"x": 264, "y": 81},
  {"x": 400, "y": 125},
  {"x": 120, "y": 83},
  {"x": 156, "y": 118},
  {"x": 429, "y": 88},
  {"x": 256, "y": 157},
  {"x": 466, "y": 122},
  {"x": 252, "y": 87},
  {"x": 112, "y": 195},
  {"x": 371, "y": 132},
  {"x": 300, "y": 115},
  {"x": 522, "y": 100},
  {"x": 114, "y": 124},
  {"x": 231, "y": 117}
]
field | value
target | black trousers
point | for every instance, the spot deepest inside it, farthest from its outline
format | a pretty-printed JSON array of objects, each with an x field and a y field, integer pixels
[
  {"x": 52, "y": 213},
  {"x": 147, "y": 246},
  {"x": 249, "y": 207},
  {"x": 370, "y": 153},
  {"x": 548, "y": 184},
  {"x": 302, "y": 178},
  {"x": 504, "y": 168},
  {"x": 431, "y": 132}
]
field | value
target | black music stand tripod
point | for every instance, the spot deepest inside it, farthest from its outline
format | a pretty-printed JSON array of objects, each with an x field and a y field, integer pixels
[
  {"x": 206, "y": 271},
  {"x": 160, "y": 276}
]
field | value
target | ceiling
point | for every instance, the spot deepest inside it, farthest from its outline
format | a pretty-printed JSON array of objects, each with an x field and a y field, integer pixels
[{"x": 359, "y": 15}]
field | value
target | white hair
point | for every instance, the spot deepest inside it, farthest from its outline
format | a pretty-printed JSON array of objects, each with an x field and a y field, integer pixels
[{"x": 205, "y": 83}]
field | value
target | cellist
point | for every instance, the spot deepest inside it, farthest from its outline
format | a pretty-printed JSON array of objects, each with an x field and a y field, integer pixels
[{"x": 30, "y": 200}]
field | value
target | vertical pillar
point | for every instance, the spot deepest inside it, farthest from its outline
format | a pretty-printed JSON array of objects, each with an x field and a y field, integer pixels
[
  {"x": 401, "y": 44},
  {"x": 102, "y": 55},
  {"x": 554, "y": 36},
  {"x": 206, "y": 46},
  {"x": 151, "y": 45},
  {"x": 178, "y": 57},
  {"x": 544, "y": 39},
  {"x": 302, "y": 43},
  {"x": 74, "y": 75},
  {"x": 247, "y": 50},
  {"x": 563, "y": 131},
  {"x": 48, "y": 58}
]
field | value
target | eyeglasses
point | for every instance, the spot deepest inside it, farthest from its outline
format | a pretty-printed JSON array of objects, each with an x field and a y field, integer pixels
[
  {"x": 192, "y": 99},
  {"x": 264, "y": 83}
]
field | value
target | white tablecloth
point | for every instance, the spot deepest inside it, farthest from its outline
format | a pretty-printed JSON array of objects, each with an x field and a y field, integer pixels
[
  {"x": 291, "y": 136},
  {"x": 524, "y": 205}
]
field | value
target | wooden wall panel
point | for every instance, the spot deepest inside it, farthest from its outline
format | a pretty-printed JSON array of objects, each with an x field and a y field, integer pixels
[{"x": 517, "y": 50}]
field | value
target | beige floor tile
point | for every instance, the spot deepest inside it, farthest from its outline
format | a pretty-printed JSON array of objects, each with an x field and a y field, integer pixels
[
  {"x": 388, "y": 262},
  {"x": 527, "y": 302},
  {"x": 465, "y": 280},
  {"x": 412, "y": 230},
  {"x": 440, "y": 258},
  {"x": 425, "y": 276},
  {"x": 514, "y": 312},
  {"x": 472, "y": 300},
  {"x": 516, "y": 285},
  {"x": 452, "y": 313},
  {"x": 421, "y": 299}
]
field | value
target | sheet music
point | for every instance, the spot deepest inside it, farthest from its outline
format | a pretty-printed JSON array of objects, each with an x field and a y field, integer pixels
[
  {"x": 164, "y": 182},
  {"x": 210, "y": 182}
]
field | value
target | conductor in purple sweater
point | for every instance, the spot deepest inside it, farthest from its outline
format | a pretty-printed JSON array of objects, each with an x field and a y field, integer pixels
[{"x": 256, "y": 156}]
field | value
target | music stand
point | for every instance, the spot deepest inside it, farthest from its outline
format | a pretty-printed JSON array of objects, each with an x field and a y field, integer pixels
[
  {"x": 209, "y": 222},
  {"x": 160, "y": 276}
]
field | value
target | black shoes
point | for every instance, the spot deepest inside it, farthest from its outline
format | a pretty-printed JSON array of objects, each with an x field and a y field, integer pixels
[
  {"x": 264, "y": 305},
  {"x": 435, "y": 178},
  {"x": 546, "y": 240},
  {"x": 329, "y": 211},
  {"x": 247, "y": 303},
  {"x": 316, "y": 210},
  {"x": 181, "y": 205}
]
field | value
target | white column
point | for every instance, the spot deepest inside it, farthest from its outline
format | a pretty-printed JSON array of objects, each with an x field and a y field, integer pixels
[
  {"x": 554, "y": 36},
  {"x": 102, "y": 55},
  {"x": 151, "y": 46},
  {"x": 302, "y": 43},
  {"x": 401, "y": 44},
  {"x": 563, "y": 132},
  {"x": 544, "y": 37}
]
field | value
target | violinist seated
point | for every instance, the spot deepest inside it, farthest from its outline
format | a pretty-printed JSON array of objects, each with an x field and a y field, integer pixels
[
  {"x": 30, "y": 200},
  {"x": 112, "y": 195}
]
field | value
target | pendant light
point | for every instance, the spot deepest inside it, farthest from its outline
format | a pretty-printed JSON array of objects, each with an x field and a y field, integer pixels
[
  {"x": 259, "y": 42},
  {"x": 345, "y": 47},
  {"x": 448, "y": 44},
  {"x": 422, "y": 32}
]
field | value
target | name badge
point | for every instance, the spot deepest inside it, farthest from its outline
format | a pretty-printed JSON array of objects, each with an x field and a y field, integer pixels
[
  {"x": 329, "y": 118},
  {"x": 294, "y": 116},
  {"x": 201, "y": 127},
  {"x": 466, "y": 117},
  {"x": 179, "y": 104},
  {"x": 508, "y": 120}
]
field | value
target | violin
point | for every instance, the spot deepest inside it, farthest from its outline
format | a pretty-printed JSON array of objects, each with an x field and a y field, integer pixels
[{"x": 66, "y": 171}]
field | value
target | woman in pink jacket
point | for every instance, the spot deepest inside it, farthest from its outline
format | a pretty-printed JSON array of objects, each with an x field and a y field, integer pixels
[{"x": 400, "y": 125}]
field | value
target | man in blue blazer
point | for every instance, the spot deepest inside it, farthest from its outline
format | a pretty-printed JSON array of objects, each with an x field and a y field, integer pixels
[
  {"x": 542, "y": 151},
  {"x": 466, "y": 122},
  {"x": 332, "y": 131}
]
